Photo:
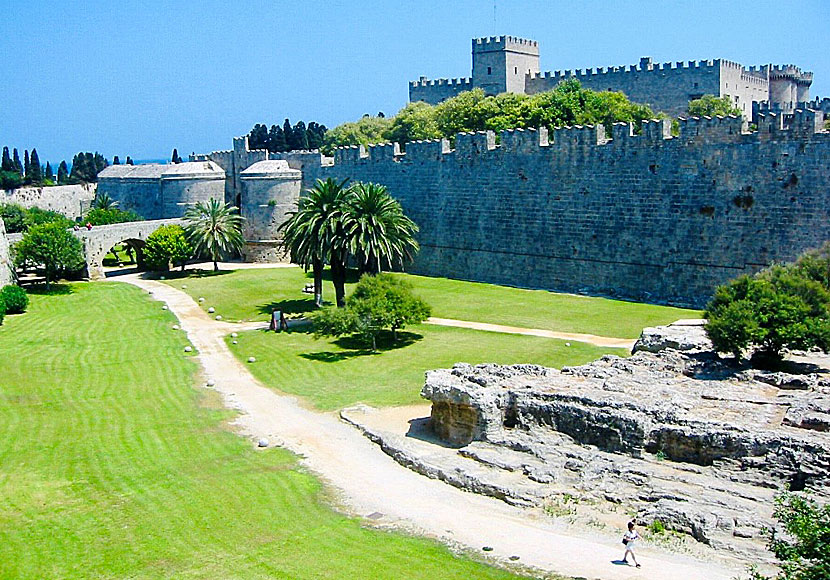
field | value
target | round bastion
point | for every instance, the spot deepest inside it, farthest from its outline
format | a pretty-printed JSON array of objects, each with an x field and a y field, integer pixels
[{"x": 270, "y": 190}]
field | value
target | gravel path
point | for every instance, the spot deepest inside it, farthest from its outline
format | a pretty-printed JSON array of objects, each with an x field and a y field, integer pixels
[{"x": 369, "y": 483}]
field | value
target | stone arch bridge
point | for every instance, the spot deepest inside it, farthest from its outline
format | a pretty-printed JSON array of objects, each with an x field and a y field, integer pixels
[{"x": 98, "y": 241}]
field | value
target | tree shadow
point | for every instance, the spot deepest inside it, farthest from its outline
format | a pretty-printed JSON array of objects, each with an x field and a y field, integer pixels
[
  {"x": 352, "y": 275},
  {"x": 296, "y": 306},
  {"x": 54, "y": 289},
  {"x": 355, "y": 346}
]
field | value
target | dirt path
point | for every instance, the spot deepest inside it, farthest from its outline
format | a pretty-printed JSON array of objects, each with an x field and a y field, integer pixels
[{"x": 372, "y": 484}]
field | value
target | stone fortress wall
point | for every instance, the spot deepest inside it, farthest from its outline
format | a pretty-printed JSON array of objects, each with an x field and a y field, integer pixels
[
  {"x": 648, "y": 217},
  {"x": 511, "y": 64},
  {"x": 70, "y": 200},
  {"x": 6, "y": 273}
]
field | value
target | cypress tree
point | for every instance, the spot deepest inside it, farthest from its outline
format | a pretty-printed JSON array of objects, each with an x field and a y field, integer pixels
[
  {"x": 35, "y": 173},
  {"x": 48, "y": 175},
  {"x": 116, "y": 160},
  {"x": 175, "y": 157},
  {"x": 7, "y": 165},
  {"x": 129, "y": 160},
  {"x": 289, "y": 135},
  {"x": 276, "y": 138},
  {"x": 27, "y": 169},
  {"x": 300, "y": 136},
  {"x": 16, "y": 160},
  {"x": 63, "y": 172}
]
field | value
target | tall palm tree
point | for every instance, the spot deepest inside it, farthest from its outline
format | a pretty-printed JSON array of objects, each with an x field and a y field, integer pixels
[
  {"x": 214, "y": 228},
  {"x": 376, "y": 230},
  {"x": 103, "y": 201},
  {"x": 309, "y": 234}
]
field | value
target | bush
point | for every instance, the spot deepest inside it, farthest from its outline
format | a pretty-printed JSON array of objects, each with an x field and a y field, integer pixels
[
  {"x": 14, "y": 216},
  {"x": 15, "y": 299},
  {"x": 167, "y": 245},
  {"x": 51, "y": 246},
  {"x": 36, "y": 216},
  {"x": 112, "y": 215},
  {"x": 2, "y": 310},
  {"x": 778, "y": 308}
]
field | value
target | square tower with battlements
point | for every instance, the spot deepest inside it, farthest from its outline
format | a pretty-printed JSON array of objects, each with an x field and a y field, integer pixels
[{"x": 501, "y": 63}]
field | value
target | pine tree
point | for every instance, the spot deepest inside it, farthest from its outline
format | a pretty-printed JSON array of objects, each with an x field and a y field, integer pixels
[
  {"x": 289, "y": 135},
  {"x": 16, "y": 160},
  {"x": 35, "y": 173},
  {"x": 63, "y": 172},
  {"x": 258, "y": 137},
  {"x": 116, "y": 160},
  {"x": 7, "y": 165},
  {"x": 48, "y": 175},
  {"x": 276, "y": 139}
]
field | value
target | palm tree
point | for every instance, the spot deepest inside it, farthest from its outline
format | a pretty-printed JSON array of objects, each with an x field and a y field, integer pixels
[
  {"x": 214, "y": 228},
  {"x": 309, "y": 234},
  {"x": 376, "y": 229},
  {"x": 103, "y": 201}
]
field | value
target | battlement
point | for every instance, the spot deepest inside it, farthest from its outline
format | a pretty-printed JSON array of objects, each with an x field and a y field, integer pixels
[
  {"x": 465, "y": 83},
  {"x": 645, "y": 65},
  {"x": 789, "y": 71},
  {"x": 714, "y": 129},
  {"x": 514, "y": 43}
]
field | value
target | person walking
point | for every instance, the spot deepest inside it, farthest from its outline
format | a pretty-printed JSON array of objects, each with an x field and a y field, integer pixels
[{"x": 629, "y": 539}]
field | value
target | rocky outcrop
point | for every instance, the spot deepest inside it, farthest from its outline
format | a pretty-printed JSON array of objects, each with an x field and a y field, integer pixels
[
  {"x": 6, "y": 273},
  {"x": 681, "y": 437},
  {"x": 683, "y": 335}
]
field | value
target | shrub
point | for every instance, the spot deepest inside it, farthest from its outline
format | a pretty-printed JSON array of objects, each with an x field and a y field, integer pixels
[
  {"x": 15, "y": 299},
  {"x": 14, "y": 216},
  {"x": 2, "y": 310},
  {"x": 167, "y": 245},
  {"x": 776, "y": 309},
  {"x": 51, "y": 246},
  {"x": 36, "y": 216},
  {"x": 111, "y": 215}
]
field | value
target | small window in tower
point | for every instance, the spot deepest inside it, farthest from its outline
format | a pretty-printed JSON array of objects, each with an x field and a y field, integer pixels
[
  {"x": 489, "y": 70},
  {"x": 515, "y": 70},
  {"x": 695, "y": 85}
]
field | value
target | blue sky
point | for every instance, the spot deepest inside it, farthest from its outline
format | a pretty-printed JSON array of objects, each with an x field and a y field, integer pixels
[{"x": 139, "y": 78}]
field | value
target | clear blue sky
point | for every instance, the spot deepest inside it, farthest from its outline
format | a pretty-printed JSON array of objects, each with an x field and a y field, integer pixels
[{"x": 139, "y": 78}]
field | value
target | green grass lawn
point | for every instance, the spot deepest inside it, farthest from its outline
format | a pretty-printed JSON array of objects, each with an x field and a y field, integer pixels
[
  {"x": 112, "y": 465},
  {"x": 253, "y": 294},
  {"x": 332, "y": 374}
]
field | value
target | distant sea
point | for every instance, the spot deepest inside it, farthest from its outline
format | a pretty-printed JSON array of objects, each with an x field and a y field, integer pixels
[{"x": 148, "y": 161}]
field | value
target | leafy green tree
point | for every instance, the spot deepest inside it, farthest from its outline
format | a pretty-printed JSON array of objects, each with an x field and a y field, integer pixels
[
  {"x": 63, "y": 172},
  {"x": 366, "y": 131},
  {"x": 14, "y": 298},
  {"x": 36, "y": 216},
  {"x": 376, "y": 230},
  {"x": 167, "y": 245},
  {"x": 308, "y": 234},
  {"x": 776, "y": 309},
  {"x": 803, "y": 549},
  {"x": 414, "y": 122},
  {"x": 214, "y": 229},
  {"x": 712, "y": 106},
  {"x": 2, "y": 311},
  {"x": 50, "y": 246},
  {"x": 113, "y": 215},
  {"x": 10, "y": 180},
  {"x": 378, "y": 302},
  {"x": 14, "y": 216}
]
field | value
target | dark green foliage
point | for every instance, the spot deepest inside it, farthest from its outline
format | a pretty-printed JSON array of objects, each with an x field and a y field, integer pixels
[
  {"x": 287, "y": 138},
  {"x": 129, "y": 160},
  {"x": 48, "y": 175},
  {"x": 2, "y": 311},
  {"x": 567, "y": 104},
  {"x": 779, "y": 308},
  {"x": 712, "y": 106},
  {"x": 51, "y": 247},
  {"x": 63, "y": 173},
  {"x": 10, "y": 180},
  {"x": 7, "y": 164},
  {"x": 175, "y": 158},
  {"x": 377, "y": 303},
  {"x": 167, "y": 245},
  {"x": 14, "y": 216},
  {"x": 803, "y": 545},
  {"x": 27, "y": 167},
  {"x": 112, "y": 215},
  {"x": 103, "y": 201},
  {"x": 86, "y": 166},
  {"x": 116, "y": 160},
  {"x": 16, "y": 161},
  {"x": 36, "y": 216},
  {"x": 35, "y": 173},
  {"x": 15, "y": 299}
]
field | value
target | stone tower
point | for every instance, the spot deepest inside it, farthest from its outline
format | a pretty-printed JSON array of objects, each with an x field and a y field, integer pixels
[{"x": 500, "y": 63}]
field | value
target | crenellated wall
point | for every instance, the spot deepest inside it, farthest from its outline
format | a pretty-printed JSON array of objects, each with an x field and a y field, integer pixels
[
  {"x": 648, "y": 217},
  {"x": 70, "y": 200}
]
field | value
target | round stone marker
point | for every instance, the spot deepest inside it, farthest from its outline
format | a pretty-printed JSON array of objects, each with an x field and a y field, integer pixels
[
  {"x": 218, "y": 317},
  {"x": 251, "y": 359},
  {"x": 211, "y": 382},
  {"x": 201, "y": 299},
  {"x": 514, "y": 558},
  {"x": 176, "y": 327},
  {"x": 184, "y": 286},
  {"x": 262, "y": 442},
  {"x": 188, "y": 349},
  {"x": 235, "y": 342},
  {"x": 164, "y": 307},
  {"x": 567, "y": 344},
  {"x": 211, "y": 310},
  {"x": 234, "y": 335}
]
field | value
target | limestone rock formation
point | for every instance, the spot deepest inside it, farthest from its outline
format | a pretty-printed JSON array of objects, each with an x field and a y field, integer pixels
[
  {"x": 680, "y": 437},
  {"x": 683, "y": 335}
]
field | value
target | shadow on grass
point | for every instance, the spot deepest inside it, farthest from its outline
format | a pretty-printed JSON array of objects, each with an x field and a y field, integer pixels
[
  {"x": 54, "y": 289},
  {"x": 352, "y": 275},
  {"x": 296, "y": 306},
  {"x": 355, "y": 346}
]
